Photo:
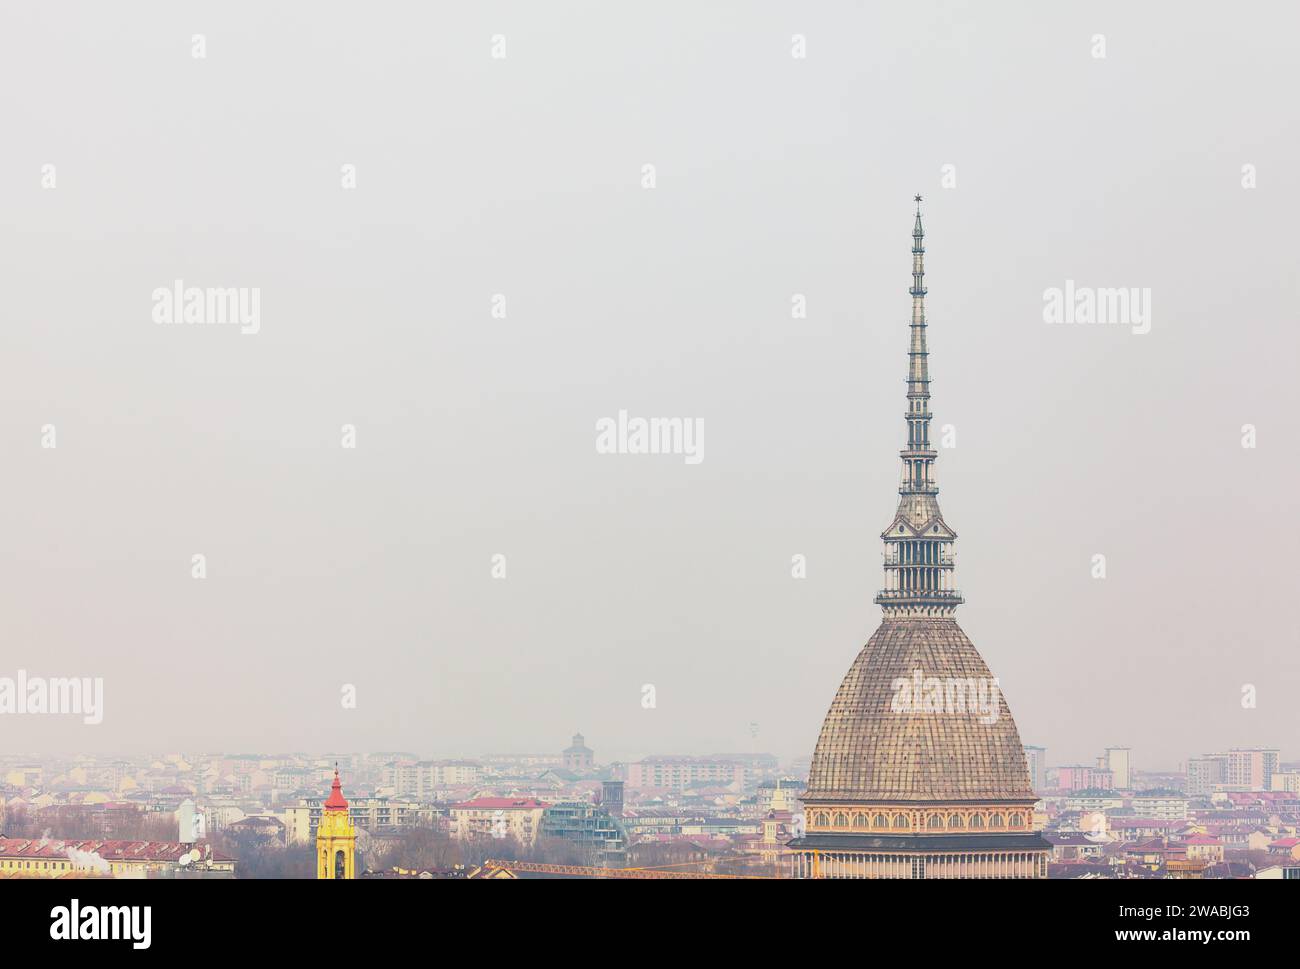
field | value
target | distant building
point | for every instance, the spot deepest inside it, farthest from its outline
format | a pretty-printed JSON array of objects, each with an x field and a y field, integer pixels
[
  {"x": 53, "y": 858},
  {"x": 779, "y": 795},
  {"x": 1091, "y": 803},
  {"x": 596, "y": 833},
  {"x": 1080, "y": 777},
  {"x": 1251, "y": 768},
  {"x": 1164, "y": 807},
  {"x": 1141, "y": 829},
  {"x": 1288, "y": 849},
  {"x": 1150, "y": 855},
  {"x": 1205, "y": 774},
  {"x": 217, "y": 815},
  {"x": 611, "y": 797},
  {"x": 498, "y": 817},
  {"x": 376, "y": 815},
  {"x": 1202, "y": 847},
  {"x": 1074, "y": 845},
  {"x": 679, "y": 773},
  {"x": 425, "y": 778},
  {"x": 260, "y": 826},
  {"x": 1117, "y": 761},
  {"x": 578, "y": 756},
  {"x": 768, "y": 847},
  {"x": 1240, "y": 769},
  {"x": 293, "y": 778},
  {"x": 1036, "y": 757},
  {"x": 1185, "y": 867},
  {"x": 1289, "y": 872},
  {"x": 25, "y": 775},
  {"x": 1288, "y": 781}
]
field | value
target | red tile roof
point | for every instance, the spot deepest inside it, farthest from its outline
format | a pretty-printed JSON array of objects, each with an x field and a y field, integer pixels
[{"x": 42, "y": 848}]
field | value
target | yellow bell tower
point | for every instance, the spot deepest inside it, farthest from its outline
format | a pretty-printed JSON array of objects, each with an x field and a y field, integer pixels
[{"x": 336, "y": 838}]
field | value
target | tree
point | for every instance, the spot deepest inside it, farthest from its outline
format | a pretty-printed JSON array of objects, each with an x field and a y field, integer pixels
[
  {"x": 416, "y": 849},
  {"x": 261, "y": 856}
]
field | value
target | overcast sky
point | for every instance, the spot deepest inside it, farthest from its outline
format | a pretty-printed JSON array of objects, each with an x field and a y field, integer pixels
[{"x": 523, "y": 176}]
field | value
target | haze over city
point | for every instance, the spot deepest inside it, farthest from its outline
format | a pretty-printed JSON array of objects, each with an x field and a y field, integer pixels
[{"x": 475, "y": 434}]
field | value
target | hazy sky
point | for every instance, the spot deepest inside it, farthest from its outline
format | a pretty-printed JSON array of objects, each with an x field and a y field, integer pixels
[{"x": 522, "y": 176}]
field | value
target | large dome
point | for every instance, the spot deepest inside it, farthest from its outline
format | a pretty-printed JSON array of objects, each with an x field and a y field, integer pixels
[{"x": 869, "y": 752}]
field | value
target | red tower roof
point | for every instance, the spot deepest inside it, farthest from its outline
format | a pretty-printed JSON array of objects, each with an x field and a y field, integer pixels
[{"x": 336, "y": 801}]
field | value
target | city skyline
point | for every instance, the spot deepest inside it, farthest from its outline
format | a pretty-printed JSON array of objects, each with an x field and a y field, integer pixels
[
  {"x": 492, "y": 442},
  {"x": 1095, "y": 760},
  {"x": 393, "y": 815}
]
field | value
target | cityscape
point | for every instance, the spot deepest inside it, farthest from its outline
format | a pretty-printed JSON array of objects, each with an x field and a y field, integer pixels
[
  {"x": 578, "y": 447},
  {"x": 1229, "y": 814},
  {"x": 919, "y": 772}
]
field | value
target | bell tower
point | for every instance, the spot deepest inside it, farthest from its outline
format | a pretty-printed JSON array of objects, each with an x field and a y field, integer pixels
[{"x": 336, "y": 838}]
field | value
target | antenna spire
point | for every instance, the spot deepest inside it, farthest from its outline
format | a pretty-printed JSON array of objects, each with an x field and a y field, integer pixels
[{"x": 918, "y": 543}]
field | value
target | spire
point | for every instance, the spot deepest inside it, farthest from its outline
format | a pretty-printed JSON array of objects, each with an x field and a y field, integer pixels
[
  {"x": 336, "y": 801},
  {"x": 917, "y": 456},
  {"x": 918, "y": 543}
]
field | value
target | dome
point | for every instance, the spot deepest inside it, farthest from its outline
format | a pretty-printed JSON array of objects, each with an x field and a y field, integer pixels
[{"x": 923, "y": 752}]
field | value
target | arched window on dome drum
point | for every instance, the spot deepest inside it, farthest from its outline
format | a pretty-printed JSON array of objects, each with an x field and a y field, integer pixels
[
  {"x": 954, "y": 821},
  {"x": 820, "y": 819},
  {"x": 841, "y": 819},
  {"x": 1017, "y": 820},
  {"x": 859, "y": 820},
  {"x": 880, "y": 821},
  {"x": 934, "y": 821},
  {"x": 997, "y": 821},
  {"x": 900, "y": 821},
  {"x": 976, "y": 821}
]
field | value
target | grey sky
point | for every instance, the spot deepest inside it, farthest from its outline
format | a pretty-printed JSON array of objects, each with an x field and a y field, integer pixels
[{"x": 522, "y": 176}]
